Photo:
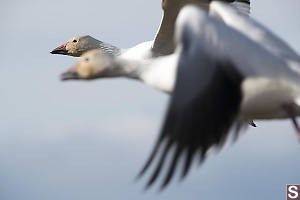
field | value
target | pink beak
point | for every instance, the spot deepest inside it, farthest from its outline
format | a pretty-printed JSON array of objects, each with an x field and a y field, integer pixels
[
  {"x": 60, "y": 50},
  {"x": 70, "y": 74}
]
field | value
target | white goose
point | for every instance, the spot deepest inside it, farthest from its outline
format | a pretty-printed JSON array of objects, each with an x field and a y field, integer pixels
[
  {"x": 163, "y": 43},
  {"x": 219, "y": 75}
]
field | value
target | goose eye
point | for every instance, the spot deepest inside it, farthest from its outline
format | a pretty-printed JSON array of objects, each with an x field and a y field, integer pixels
[
  {"x": 87, "y": 59},
  {"x": 74, "y": 41}
]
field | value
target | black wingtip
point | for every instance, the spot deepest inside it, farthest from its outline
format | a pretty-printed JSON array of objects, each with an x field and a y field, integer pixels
[
  {"x": 186, "y": 167},
  {"x": 142, "y": 172},
  {"x": 162, "y": 159},
  {"x": 149, "y": 161},
  {"x": 202, "y": 156},
  {"x": 172, "y": 167},
  {"x": 162, "y": 187},
  {"x": 157, "y": 171}
]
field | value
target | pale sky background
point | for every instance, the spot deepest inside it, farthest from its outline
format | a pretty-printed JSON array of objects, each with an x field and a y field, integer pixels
[{"x": 88, "y": 140}]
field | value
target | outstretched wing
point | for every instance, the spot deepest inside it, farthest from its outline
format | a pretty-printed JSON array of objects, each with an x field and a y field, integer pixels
[
  {"x": 204, "y": 104},
  {"x": 164, "y": 40},
  {"x": 253, "y": 30},
  {"x": 214, "y": 60}
]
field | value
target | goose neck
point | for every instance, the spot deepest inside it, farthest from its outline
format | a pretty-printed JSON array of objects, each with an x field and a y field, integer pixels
[{"x": 130, "y": 68}]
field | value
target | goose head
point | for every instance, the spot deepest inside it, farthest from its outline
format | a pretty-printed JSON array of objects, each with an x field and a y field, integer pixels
[
  {"x": 92, "y": 65},
  {"x": 77, "y": 45}
]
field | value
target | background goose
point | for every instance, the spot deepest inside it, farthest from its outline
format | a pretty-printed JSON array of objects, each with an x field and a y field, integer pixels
[
  {"x": 163, "y": 43},
  {"x": 243, "y": 80},
  {"x": 77, "y": 45}
]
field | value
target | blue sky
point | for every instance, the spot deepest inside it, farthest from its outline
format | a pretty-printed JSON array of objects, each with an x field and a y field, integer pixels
[{"x": 88, "y": 140}]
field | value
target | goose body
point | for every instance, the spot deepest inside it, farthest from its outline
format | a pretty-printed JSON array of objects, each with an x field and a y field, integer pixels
[
  {"x": 265, "y": 90},
  {"x": 218, "y": 74}
]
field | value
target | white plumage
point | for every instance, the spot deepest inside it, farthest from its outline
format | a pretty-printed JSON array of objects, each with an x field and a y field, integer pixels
[{"x": 218, "y": 74}]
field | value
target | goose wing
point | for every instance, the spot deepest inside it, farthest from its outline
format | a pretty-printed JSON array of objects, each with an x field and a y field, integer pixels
[
  {"x": 253, "y": 30},
  {"x": 214, "y": 60},
  {"x": 164, "y": 40}
]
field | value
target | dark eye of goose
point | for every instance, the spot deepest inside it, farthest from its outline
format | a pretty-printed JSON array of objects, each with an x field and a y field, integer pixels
[
  {"x": 74, "y": 41},
  {"x": 87, "y": 59}
]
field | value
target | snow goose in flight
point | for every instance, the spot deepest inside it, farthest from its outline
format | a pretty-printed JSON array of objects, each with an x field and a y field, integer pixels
[
  {"x": 163, "y": 43},
  {"x": 217, "y": 74}
]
